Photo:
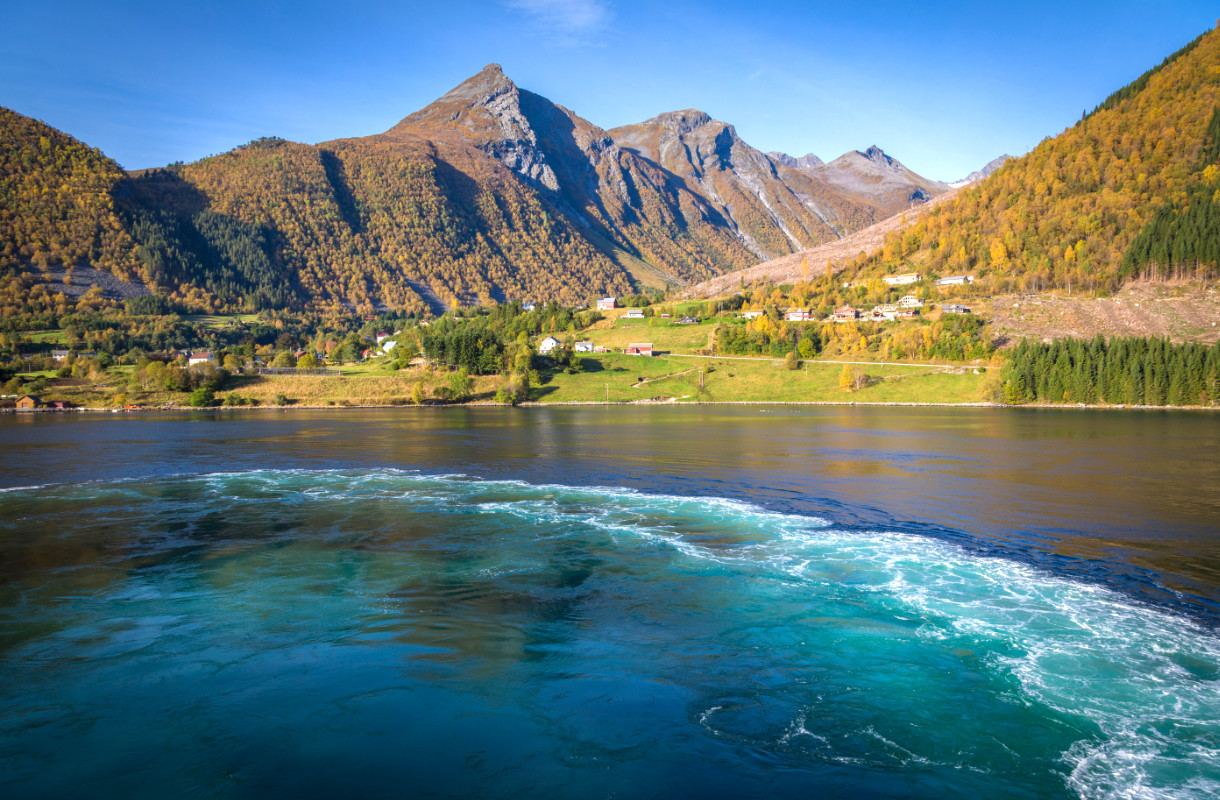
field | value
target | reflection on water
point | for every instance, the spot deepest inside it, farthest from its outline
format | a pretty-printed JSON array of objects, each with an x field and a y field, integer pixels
[{"x": 1124, "y": 497}]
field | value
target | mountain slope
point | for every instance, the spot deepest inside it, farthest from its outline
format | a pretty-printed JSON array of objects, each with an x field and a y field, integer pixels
[
  {"x": 880, "y": 178},
  {"x": 489, "y": 193},
  {"x": 773, "y": 209},
  {"x": 55, "y": 203},
  {"x": 1064, "y": 215}
]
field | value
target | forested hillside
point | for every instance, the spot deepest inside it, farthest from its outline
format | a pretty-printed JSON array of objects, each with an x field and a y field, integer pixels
[
  {"x": 1065, "y": 215},
  {"x": 55, "y": 200},
  {"x": 491, "y": 193}
]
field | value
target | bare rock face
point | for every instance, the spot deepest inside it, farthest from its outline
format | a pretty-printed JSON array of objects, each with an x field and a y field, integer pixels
[
  {"x": 806, "y": 162},
  {"x": 682, "y": 191},
  {"x": 880, "y": 178},
  {"x": 979, "y": 174},
  {"x": 486, "y": 110}
]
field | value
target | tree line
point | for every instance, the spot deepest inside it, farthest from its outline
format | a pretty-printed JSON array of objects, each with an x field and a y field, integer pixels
[{"x": 1116, "y": 371}]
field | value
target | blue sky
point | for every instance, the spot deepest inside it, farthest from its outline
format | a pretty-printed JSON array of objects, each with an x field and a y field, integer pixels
[{"x": 943, "y": 87}]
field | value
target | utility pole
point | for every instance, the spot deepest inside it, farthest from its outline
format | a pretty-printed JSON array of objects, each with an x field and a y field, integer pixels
[{"x": 607, "y": 394}]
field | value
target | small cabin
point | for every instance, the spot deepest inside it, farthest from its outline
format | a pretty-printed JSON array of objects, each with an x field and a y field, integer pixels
[
  {"x": 639, "y": 349},
  {"x": 28, "y": 401}
]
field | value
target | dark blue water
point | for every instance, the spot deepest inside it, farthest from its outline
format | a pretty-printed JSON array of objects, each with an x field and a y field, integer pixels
[{"x": 610, "y": 602}]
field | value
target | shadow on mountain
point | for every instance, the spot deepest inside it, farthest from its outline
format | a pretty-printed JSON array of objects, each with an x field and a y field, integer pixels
[
  {"x": 183, "y": 241},
  {"x": 336, "y": 176}
]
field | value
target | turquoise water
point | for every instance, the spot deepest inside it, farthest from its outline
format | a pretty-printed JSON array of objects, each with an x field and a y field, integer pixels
[{"x": 380, "y": 632}]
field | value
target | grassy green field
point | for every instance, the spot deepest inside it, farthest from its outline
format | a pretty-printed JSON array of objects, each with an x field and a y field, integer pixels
[
  {"x": 662, "y": 333},
  {"x": 611, "y": 377},
  {"x": 618, "y": 380},
  {"x": 52, "y": 337},
  {"x": 219, "y": 320}
]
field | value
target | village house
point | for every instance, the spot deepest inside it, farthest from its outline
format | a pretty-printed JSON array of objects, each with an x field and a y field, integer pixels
[
  {"x": 28, "y": 401},
  {"x": 200, "y": 357},
  {"x": 846, "y": 314},
  {"x": 901, "y": 280},
  {"x": 885, "y": 312},
  {"x": 607, "y": 303},
  {"x": 954, "y": 308},
  {"x": 548, "y": 345},
  {"x": 60, "y": 355},
  {"x": 798, "y": 315},
  {"x": 907, "y": 312},
  {"x": 388, "y": 345},
  {"x": 750, "y": 314},
  {"x": 634, "y": 313},
  {"x": 955, "y": 280},
  {"x": 689, "y": 321},
  {"x": 528, "y": 306},
  {"x": 910, "y": 301},
  {"x": 639, "y": 349},
  {"x": 583, "y": 347}
]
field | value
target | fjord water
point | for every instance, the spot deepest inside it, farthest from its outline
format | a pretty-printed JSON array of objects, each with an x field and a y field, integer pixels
[{"x": 620, "y": 602}]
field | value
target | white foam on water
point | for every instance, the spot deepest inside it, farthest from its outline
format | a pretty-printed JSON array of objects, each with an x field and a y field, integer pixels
[{"x": 1149, "y": 681}]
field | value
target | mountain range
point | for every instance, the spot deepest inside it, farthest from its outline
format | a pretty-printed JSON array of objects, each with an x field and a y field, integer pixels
[{"x": 489, "y": 193}]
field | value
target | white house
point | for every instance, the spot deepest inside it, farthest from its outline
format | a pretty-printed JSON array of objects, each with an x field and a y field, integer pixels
[
  {"x": 902, "y": 280},
  {"x": 548, "y": 344},
  {"x": 910, "y": 301},
  {"x": 634, "y": 313},
  {"x": 798, "y": 315},
  {"x": 584, "y": 347},
  {"x": 200, "y": 357},
  {"x": 388, "y": 344},
  {"x": 751, "y": 314},
  {"x": 953, "y": 308},
  {"x": 528, "y": 306},
  {"x": 955, "y": 280}
]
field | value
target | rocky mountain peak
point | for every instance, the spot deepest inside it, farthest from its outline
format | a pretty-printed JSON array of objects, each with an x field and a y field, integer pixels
[
  {"x": 807, "y": 161},
  {"x": 876, "y": 155},
  {"x": 489, "y": 82},
  {"x": 684, "y": 121}
]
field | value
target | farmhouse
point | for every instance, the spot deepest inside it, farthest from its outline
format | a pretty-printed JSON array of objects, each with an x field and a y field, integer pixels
[
  {"x": 751, "y": 314},
  {"x": 901, "y": 280},
  {"x": 200, "y": 357},
  {"x": 607, "y": 303},
  {"x": 955, "y": 280},
  {"x": 59, "y": 355},
  {"x": 634, "y": 313},
  {"x": 689, "y": 321},
  {"x": 639, "y": 349},
  {"x": 583, "y": 347},
  {"x": 548, "y": 344},
  {"x": 953, "y": 308}
]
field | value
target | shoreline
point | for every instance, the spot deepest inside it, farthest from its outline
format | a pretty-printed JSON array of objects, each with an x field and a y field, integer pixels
[{"x": 619, "y": 404}]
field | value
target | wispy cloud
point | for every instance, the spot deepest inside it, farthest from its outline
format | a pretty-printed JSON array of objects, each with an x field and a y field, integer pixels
[{"x": 568, "y": 22}]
